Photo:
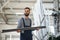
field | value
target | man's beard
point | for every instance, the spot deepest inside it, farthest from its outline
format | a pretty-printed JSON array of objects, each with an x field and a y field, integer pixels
[{"x": 26, "y": 14}]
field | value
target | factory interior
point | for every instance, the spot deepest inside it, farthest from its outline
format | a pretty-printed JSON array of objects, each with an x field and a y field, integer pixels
[{"x": 44, "y": 15}]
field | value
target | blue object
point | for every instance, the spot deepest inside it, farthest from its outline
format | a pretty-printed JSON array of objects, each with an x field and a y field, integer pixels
[{"x": 27, "y": 35}]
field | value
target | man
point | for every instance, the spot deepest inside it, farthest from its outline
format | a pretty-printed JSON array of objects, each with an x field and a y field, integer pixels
[{"x": 25, "y": 22}]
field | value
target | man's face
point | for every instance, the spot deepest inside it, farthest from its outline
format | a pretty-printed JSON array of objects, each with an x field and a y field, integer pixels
[{"x": 26, "y": 12}]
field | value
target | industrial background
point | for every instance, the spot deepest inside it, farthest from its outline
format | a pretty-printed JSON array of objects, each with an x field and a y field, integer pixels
[{"x": 12, "y": 10}]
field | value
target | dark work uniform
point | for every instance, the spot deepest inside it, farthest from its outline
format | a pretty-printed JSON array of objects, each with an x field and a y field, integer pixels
[{"x": 27, "y": 34}]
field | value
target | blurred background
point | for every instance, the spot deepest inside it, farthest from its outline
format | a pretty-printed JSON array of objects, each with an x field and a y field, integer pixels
[{"x": 12, "y": 10}]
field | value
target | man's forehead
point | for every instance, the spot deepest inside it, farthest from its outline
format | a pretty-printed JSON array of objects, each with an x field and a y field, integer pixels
[{"x": 26, "y": 9}]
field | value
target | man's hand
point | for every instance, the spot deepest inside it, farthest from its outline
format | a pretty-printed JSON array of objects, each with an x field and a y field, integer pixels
[
  {"x": 37, "y": 29},
  {"x": 18, "y": 31}
]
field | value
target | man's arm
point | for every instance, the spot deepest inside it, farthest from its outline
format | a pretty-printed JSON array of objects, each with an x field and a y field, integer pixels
[{"x": 20, "y": 24}]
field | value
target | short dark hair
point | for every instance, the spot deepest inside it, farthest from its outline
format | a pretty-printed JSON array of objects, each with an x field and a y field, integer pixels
[{"x": 27, "y": 8}]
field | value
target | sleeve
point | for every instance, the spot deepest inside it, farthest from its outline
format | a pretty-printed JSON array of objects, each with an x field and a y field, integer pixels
[
  {"x": 20, "y": 23},
  {"x": 31, "y": 22}
]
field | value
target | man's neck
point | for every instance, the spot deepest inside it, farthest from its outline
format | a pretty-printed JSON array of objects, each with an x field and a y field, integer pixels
[{"x": 26, "y": 17}]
